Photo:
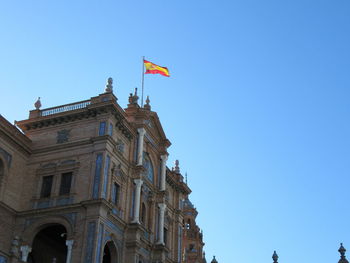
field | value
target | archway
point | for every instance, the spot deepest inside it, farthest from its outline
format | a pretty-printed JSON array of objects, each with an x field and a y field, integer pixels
[
  {"x": 49, "y": 245},
  {"x": 110, "y": 253}
]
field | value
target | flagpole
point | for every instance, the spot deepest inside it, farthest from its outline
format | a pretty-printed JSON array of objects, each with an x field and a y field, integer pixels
[{"x": 143, "y": 79}]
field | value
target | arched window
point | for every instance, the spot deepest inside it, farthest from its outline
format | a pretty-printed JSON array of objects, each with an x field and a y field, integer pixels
[
  {"x": 110, "y": 254},
  {"x": 147, "y": 164}
]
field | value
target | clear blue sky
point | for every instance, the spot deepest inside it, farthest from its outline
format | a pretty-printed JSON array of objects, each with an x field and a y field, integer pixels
[{"x": 257, "y": 105}]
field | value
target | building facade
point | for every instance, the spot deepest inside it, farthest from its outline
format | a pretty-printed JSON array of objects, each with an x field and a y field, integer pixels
[{"x": 89, "y": 182}]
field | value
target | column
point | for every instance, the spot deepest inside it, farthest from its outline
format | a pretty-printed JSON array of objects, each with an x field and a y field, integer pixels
[
  {"x": 141, "y": 132},
  {"x": 162, "y": 208},
  {"x": 164, "y": 158},
  {"x": 25, "y": 250},
  {"x": 138, "y": 183},
  {"x": 69, "y": 244}
]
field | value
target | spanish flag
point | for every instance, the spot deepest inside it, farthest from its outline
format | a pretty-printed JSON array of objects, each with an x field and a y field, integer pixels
[{"x": 152, "y": 68}]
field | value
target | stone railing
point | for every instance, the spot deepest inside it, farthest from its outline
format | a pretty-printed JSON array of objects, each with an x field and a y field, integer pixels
[{"x": 64, "y": 108}]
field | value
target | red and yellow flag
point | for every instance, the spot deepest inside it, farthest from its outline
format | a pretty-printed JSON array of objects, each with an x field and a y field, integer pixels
[{"x": 152, "y": 68}]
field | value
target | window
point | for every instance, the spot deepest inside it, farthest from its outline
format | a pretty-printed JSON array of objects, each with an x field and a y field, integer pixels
[
  {"x": 115, "y": 193},
  {"x": 149, "y": 174},
  {"x": 66, "y": 181},
  {"x": 110, "y": 130},
  {"x": 102, "y": 129},
  {"x": 46, "y": 186}
]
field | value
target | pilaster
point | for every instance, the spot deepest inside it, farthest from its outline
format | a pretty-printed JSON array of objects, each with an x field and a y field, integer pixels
[{"x": 142, "y": 133}]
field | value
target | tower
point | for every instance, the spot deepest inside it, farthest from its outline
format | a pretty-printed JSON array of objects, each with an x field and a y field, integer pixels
[{"x": 193, "y": 236}]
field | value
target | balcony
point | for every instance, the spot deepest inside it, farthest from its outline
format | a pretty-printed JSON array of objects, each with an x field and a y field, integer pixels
[{"x": 64, "y": 108}]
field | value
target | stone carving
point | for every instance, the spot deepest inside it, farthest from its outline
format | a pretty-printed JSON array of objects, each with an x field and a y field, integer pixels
[
  {"x": 49, "y": 165},
  {"x": 109, "y": 85},
  {"x": 68, "y": 162},
  {"x": 274, "y": 257},
  {"x": 147, "y": 105},
  {"x": 37, "y": 104},
  {"x": 120, "y": 146},
  {"x": 63, "y": 136},
  {"x": 177, "y": 167},
  {"x": 134, "y": 98},
  {"x": 130, "y": 98},
  {"x": 342, "y": 251}
]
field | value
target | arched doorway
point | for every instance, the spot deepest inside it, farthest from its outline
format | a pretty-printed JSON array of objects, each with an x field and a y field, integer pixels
[
  {"x": 49, "y": 245},
  {"x": 110, "y": 253}
]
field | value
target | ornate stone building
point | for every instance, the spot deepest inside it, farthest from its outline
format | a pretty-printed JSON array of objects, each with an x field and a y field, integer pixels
[{"x": 88, "y": 182}]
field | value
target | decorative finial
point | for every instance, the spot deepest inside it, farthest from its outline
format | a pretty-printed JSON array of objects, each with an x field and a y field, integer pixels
[
  {"x": 37, "y": 104},
  {"x": 135, "y": 98},
  {"x": 109, "y": 85},
  {"x": 147, "y": 106},
  {"x": 342, "y": 251},
  {"x": 186, "y": 177},
  {"x": 275, "y": 257},
  {"x": 177, "y": 168},
  {"x": 214, "y": 260}
]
